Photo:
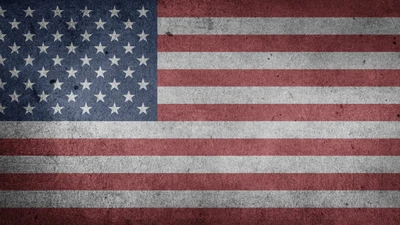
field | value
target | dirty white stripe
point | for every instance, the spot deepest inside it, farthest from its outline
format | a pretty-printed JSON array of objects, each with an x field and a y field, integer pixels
[
  {"x": 278, "y": 60},
  {"x": 220, "y": 25},
  {"x": 200, "y": 164},
  {"x": 279, "y": 95},
  {"x": 275, "y": 129},
  {"x": 199, "y": 199}
]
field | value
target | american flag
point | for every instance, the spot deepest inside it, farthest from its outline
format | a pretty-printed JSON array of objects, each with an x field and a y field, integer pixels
[{"x": 199, "y": 112}]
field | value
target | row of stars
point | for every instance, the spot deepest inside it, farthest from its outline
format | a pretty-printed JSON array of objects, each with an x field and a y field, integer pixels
[
  {"x": 85, "y": 12},
  {"x": 85, "y": 37},
  {"x": 71, "y": 24},
  {"x": 71, "y": 97},
  {"x": 85, "y": 61},
  {"x": 71, "y": 73},
  {"x": 85, "y": 109},
  {"x": 85, "y": 85}
]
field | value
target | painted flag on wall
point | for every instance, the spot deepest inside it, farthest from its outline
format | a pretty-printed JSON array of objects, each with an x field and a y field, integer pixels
[{"x": 200, "y": 112}]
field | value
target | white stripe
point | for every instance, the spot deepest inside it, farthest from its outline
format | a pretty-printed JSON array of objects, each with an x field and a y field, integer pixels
[
  {"x": 220, "y": 25},
  {"x": 278, "y": 60},
  {"x": 277, "y": 129},
  {"x": 279, "y": 95},
  {"x": 200, "y": 164},
  {"x": 199, "y": 199}
]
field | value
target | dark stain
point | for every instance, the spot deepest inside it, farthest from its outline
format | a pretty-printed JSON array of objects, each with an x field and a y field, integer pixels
[
  {"x": 398, "y": 115},
  {"x": 169, "y": 34},
  {"x": 364, "y": 61},
  {"x": 106, "y": 52},
  {"x": 35, "y": 96},
  {"x": 52, "y": 81},
  {"x": 76, "y": 87},
  {"x": 394, "y": 42},
  {"x": 128, "y": 222}
]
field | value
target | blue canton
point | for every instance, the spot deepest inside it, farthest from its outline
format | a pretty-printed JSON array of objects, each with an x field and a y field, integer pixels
[{"x": 78, "y": 60}]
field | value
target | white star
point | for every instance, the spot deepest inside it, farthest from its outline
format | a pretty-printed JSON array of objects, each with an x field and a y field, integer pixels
[
  {"x": 128, "y": 72},
  {"x": 57, "y": 85},
  {"x": 14, "y": 24},
  {"x": 57, "y": 108},
  {"x": 100, "y": 72},
  {"x": 100, "y": 97},
  {"x": 43, "y": 72},
  {"x": 100, "y": 48},
  {"x": 43, "y": 97},
  {"x": 128, "y": 97},
  {"x": 29, "y": 60},
  {"x": 2, "y": 60},
  {"x": 14, "y": 97},
  {"x": 2, "y": 108},
  {"x": 71, "y": 48},
  {"x": 114, "y": 84},
  {"x": 14, "y": 72},
  {"x": 142, "y": 60},
  {"x": 57, "y": 36},
  {"x": 114, "y": 109},
  {"x": 71, "y": 97},
  {"x": 86, "y": 61},
  {"x": 43, "y": 48},
  {"x": 2, "y": 84},
  {"x": 143, "y": 85},
  {"x": 86, "y": 12},
  {"x": 100, "y": 24},
  {"x": 57, "y": 60},
  {"x": 114, "y": 60},
  {"x": 128, "y": 24},
  {"x": 14, "y": 48},
  {"x": 28, "y": 36},
  {"x": 114, "y": 12},
  {"x": 57, "y": 12},
  {"x": 43, "y": 24},
  {"x": 142, "y": 12},
  {"x": 29, "y": 109},
  {"x": 71, "y": 24},
  {"x": 2, "y": 11},
  {"x": 143, "y": 109},
  {"x": 2, "y": 36},
  {"x": 29, "y": 12},
  {"x": 29, "y": 85},
  {"x": 142, "y": 36},
  {"x": 114, "y": 36},
  {"x": 128, "y": 48},
  {"x": 71, "y": 72},
  {"x": 86, "y": 109},
  {"x": 86, "y": 85},
  {"x": 86, "y": 36}
]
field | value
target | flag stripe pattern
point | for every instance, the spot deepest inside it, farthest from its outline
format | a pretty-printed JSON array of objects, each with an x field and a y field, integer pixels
[
  {"x": 272, "y": 61},
  {"x": 269, "y": 112}
]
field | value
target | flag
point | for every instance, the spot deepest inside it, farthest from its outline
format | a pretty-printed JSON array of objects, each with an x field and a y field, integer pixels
[{"x": 199, "y": 112}]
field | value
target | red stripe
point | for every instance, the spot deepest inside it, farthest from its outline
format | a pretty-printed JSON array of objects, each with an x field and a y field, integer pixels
[
  {"x": 200, "y": 181},
  {"x": 200, "y": 147},
  {"x": 278, "y": 78},
  {"x": 278, "y": 43},
  {"x": 200, "y": 216},
  {"x": 278, "y": 8},
  {"x": 278, "y": 112}
]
